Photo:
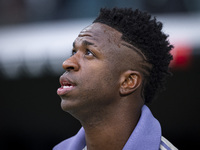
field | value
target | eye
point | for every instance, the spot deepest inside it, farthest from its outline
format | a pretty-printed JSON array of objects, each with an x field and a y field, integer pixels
[
  {"x": 73, "y": 52},
  {"x": 89, "y": 53}
]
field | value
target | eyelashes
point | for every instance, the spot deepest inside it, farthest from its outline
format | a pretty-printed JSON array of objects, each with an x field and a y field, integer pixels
[{"x": 87, "y": 52}]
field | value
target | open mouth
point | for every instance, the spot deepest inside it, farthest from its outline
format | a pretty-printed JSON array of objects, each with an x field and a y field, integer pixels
[{"x": 66, "y": 87}]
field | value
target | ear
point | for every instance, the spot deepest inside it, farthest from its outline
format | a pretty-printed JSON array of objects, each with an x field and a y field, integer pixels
[{"x": 129, "y": 82}]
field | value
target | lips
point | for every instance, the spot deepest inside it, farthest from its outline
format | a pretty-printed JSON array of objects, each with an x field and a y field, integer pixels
[{"x": 66, "y": 86}]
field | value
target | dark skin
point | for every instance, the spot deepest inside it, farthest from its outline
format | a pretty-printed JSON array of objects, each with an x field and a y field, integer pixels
[{"x": 107, "y": 84}]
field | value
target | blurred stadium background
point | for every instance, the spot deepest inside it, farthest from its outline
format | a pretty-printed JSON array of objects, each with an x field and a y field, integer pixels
[{"x": 36, "y": 37}]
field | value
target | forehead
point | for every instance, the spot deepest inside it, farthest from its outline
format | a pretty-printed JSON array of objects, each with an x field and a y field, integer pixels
[{"x": 100, "y": 33}]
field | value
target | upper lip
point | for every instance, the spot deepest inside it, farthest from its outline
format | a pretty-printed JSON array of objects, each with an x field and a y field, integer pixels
[{"x": 66, "y": 81}]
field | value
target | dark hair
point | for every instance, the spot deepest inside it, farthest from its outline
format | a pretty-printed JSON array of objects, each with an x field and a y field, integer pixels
[{"x": 144, "y": 32}]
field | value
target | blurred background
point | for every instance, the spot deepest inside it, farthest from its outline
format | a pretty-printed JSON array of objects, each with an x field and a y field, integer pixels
[{"x": 36, "y": 37}]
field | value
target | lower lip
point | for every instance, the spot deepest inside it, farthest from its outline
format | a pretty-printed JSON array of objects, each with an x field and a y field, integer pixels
[{"x": 64, "y": 90}]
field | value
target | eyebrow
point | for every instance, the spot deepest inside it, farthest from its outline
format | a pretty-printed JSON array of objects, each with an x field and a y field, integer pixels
[{"x": 84, "y": 43}]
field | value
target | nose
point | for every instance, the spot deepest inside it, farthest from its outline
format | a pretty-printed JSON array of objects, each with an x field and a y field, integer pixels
[{"x": 71, "y": 64}]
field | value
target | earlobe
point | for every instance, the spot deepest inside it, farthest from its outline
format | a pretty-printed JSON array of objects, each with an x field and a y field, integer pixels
[{"x": 131, "y": 80}]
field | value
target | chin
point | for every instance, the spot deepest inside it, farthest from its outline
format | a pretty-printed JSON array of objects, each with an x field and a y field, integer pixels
[
  {"x": 69, "y": 106},
  {"x": 66, "y": 106}
]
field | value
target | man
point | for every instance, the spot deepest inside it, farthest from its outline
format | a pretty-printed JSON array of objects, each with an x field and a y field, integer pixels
[{"x": 117, "y": 65}]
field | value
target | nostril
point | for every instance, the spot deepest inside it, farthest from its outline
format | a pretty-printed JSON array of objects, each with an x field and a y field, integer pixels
[{"x": 70, "y": 68}]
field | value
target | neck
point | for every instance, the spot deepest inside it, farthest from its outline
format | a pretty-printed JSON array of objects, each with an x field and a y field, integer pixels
[{"x": 113, "y": 129}]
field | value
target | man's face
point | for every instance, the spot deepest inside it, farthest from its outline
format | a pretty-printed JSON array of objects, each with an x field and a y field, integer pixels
[{"x": 91, "y": 80}]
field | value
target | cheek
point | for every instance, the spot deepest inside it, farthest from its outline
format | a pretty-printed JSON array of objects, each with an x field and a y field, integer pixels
[
  {"x": 104, "y": 82},
  {"x": 98, "y": 77}
]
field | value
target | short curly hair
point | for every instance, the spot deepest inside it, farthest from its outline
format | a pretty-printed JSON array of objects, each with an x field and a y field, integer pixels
[{"x": 144, "y": 32}]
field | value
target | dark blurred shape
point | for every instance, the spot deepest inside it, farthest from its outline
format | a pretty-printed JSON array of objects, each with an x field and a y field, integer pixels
[
  {"x": 23, "y": 11},
  {"x": 165, "y": 6},
  {"x": 12, "y": 11},
  {"x": 171, "y": 6}
]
